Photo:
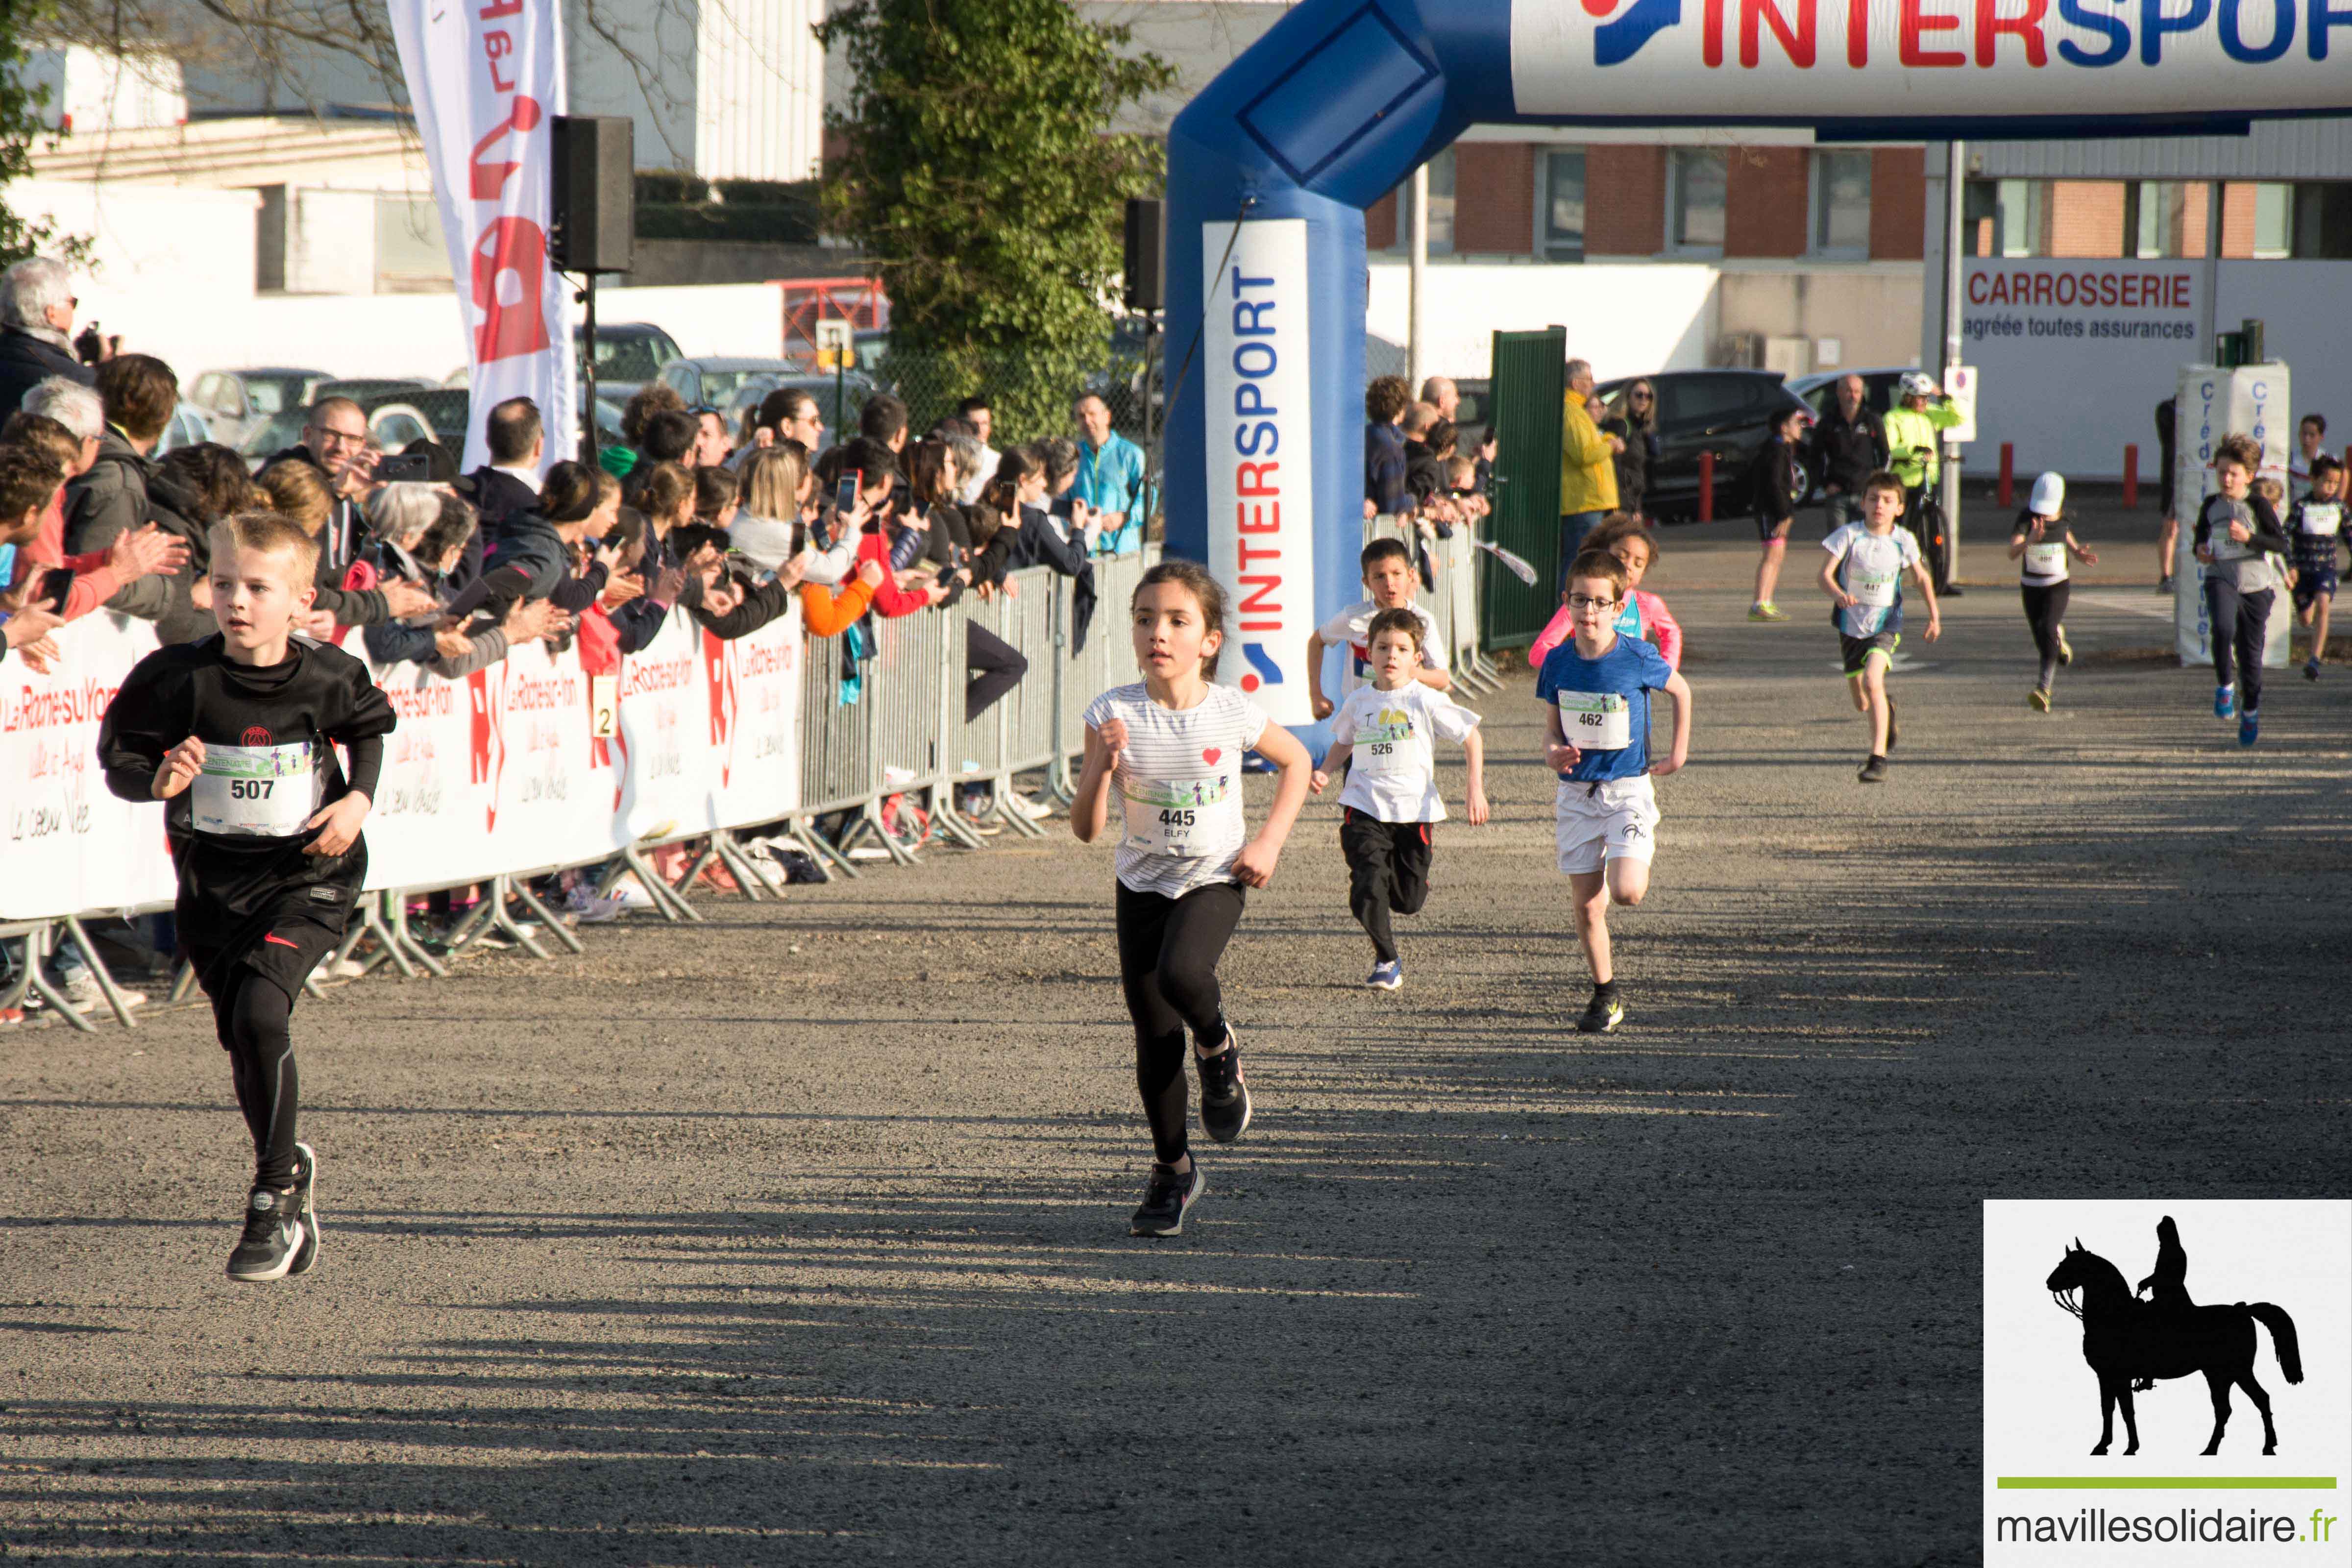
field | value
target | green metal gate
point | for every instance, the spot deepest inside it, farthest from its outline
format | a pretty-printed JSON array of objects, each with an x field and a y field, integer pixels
[{"x": 1529, "y": 381}]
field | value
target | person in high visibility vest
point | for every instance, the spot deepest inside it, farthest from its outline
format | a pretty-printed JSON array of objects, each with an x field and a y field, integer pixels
[{"x": 1914, "y": 439}]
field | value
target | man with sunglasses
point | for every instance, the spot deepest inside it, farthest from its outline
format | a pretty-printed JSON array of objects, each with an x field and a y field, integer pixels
[
  {"x": 1847, "y": 445},
  {"x": 36, "y": 316}
]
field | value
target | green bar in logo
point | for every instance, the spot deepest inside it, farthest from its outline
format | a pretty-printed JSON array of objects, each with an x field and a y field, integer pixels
[{"x": 2166, "y": 1483}]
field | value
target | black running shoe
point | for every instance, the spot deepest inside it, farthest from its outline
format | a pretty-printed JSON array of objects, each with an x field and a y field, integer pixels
[
  {"x": 273, "y": 1235},
  {"x": 1874, "y": 770},
  {"x": 305, "y": 1180},
  {"x": 1166, "y": 1197},
  {"x": 1601, "y": 1016},
  {"x": 1893, "y": 731},
  {"x": 1225, "y": 1091}
]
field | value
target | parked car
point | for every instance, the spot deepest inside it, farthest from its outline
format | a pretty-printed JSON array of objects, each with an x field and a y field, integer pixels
[
  {"x": 398, "y": 412},
  {"x": 712, "y": 382},
  {"x": 1728, "y": 411},
  {"x": 188, "y": 426},
  {"x": 628, "y": 355},
  {"x": 839, "y": 414},
  {"x": 235, "y": 401}
]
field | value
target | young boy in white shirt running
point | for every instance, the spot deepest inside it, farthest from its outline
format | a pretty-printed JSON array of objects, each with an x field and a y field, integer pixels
[
  {"x": 1863, "y": 577},
  {"x": 1389, "y": 581},
  {"x": 1391, "y": 799}
]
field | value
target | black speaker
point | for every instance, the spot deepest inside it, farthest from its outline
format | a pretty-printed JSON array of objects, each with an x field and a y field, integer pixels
[
  {"x": 1143, "y": 246},
  {"x": 595, "y": 193}
]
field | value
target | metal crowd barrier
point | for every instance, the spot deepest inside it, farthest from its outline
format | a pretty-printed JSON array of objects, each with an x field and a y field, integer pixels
[{"x": 891, "y": 724}]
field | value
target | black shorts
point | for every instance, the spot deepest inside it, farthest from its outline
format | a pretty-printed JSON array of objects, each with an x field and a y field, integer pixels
[
  {"x": 283, "y": 942},
  {"x": 2310, "y": 582},
  {"x": 1769, "y": 529},
  {"x": 1857, "y": 650}
]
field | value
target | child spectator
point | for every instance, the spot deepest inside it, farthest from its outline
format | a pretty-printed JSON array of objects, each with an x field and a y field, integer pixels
[{"x": 1775, "y": 481}]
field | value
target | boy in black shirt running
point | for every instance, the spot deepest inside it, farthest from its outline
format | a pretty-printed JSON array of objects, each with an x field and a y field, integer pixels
[{"x": 237, "y": 733}]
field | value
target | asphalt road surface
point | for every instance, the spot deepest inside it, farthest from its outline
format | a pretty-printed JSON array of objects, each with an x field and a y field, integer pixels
[{"x": 800, "y": 1237}]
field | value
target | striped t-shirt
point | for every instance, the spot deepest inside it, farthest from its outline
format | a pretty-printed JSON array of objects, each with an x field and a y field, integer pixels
[{"x": 1180, "y": 785}]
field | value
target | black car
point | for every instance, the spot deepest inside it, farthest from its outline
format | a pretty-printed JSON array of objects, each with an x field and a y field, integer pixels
[{"x": 1728, "y": 411}]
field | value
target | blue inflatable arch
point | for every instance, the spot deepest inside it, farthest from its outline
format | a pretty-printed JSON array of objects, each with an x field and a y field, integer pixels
[{"x": 1270, "y": 170}]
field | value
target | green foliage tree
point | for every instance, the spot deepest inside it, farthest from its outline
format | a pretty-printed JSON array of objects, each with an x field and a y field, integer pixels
[
  {"x": 20, "y": 123},
  {"x": 982, "y": 179}
]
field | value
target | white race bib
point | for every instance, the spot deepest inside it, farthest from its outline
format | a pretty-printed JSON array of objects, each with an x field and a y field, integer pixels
[
  {"x": 1385, "y": 748},
  {"x": 2323, "y": 517},
  {"x": 1874, "y": 590},
  {"x": 256, "y": 792},
  {"x": 1596, "y": 721},
  {"x": 2046, "y": 560},
  {"x": 1182, "y": 817}
]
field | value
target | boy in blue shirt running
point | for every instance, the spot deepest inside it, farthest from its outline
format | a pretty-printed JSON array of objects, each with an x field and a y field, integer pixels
[{"x": 1596, "y": 687}]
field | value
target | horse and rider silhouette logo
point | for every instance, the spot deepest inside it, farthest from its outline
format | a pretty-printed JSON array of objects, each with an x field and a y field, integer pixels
[{"x": 2132, "y": 1344}]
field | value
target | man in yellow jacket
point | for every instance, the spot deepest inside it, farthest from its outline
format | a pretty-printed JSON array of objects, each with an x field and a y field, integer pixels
[{"x": 1588, "y": 473}]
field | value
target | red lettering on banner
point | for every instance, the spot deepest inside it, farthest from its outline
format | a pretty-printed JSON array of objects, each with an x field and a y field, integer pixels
[
  {"x": 510, "y": 248},
  {"x": 1857, "y": 33},
  {"x": 1257, "y": 519},
  {"x": 1255, "y": 479},
  {"x": 498, "y": 8},
  {"x": 2026, "y": 25},
  {"x": 485, "y": 178},
  {"x": 1261, "y": 602},
  {"x": 1710, "y": 35},
  {"x": 1798, "y": 45},
  {"x": 1917, "y": 22},
  {"x": 496, "y": 47}
]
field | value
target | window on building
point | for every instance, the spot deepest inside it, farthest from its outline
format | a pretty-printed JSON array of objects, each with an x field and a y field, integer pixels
[
  {"x": 2323, "y": 221},
  {"x": 2005, "y": 218},
  {"x": 1562, "y": 218},
  {"x": 2157, "y": 220},
  {"x": 1842, "y": 204},
  {"x": 2273, "y": 221},
  {"x": 1441, "y": 210},
  {"x": 1695, "y": 179},
  {"x": 410, "y": 255}
]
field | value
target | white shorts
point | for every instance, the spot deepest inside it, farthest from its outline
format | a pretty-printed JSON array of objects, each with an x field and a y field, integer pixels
[{"x": 1614, "y": 820}]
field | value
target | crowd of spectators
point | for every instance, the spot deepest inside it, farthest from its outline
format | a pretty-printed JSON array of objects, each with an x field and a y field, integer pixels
[
  {"x": 1419, "y": 464},
  {"x": 453, "y": 572}
]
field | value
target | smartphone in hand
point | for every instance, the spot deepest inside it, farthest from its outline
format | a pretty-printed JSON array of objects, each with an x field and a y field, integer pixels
[{"x": 845, "y": 494}]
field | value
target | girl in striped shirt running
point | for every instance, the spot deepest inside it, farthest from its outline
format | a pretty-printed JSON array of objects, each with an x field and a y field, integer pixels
[{"x": 1172, "y": 745}]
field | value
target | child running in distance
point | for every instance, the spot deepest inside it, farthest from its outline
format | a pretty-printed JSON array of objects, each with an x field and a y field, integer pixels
[
  {"x": 2310, "y": 447},
  {"x": 238, "y": 734},
  {"x": 1389, "y": 583},
  {"x": 1391, "y": 800},
  {"x": 1644, "y": 617},
  {"x": 2237, "y": 536},
  {"x": 2043, "y": 542},
  {"x": 1172, "y": 745},
  {"x": 1775, "y": 482},
  {"x": 2314, "y": 529},
  {"x": 1863, "y": 577},
  {"x": 1596, "y": 689}
]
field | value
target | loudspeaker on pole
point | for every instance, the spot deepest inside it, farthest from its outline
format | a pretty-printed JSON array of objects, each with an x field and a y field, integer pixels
[
  {"x": 595, "y": 193},
  {"x": 1143, "y": 254}
]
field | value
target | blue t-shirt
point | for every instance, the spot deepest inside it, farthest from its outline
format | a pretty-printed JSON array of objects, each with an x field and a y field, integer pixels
[{"x": 1617, "y": 683}]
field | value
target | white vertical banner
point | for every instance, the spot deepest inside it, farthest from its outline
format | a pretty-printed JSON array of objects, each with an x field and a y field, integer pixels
[
  {"x": 486, "y": 78},
  {"x": 1256, "y": 374},
  {"x": 2251, "y": 400}
]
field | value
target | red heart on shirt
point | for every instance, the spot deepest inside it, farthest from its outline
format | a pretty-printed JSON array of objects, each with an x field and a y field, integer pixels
[{"x": 1211, "y": 753}]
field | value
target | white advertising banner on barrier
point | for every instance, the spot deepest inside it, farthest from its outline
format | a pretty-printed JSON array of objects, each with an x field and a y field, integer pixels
[
  {"x": 67, "y": 842},
  {"x": 485, "y": 77},
  {"x": 2211, "y": 404},
  {"x": 1256, "y": 372},
  {"x": 501, "y": 771}
]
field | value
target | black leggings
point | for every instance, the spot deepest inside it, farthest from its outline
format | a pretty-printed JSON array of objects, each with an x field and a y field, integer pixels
[
  {"x": 1388, "y": 870},
  {"x": 2045, "y": 607},
  {"x": 1001, "y": 664},
  {"x": 251, "y": 1014},
  {"x": 2240, "y": 626},
  {"x": 1168, "y": 953}
]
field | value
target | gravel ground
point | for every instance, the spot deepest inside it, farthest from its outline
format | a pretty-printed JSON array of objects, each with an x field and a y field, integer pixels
[{"x": 799, "y": 1237}]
